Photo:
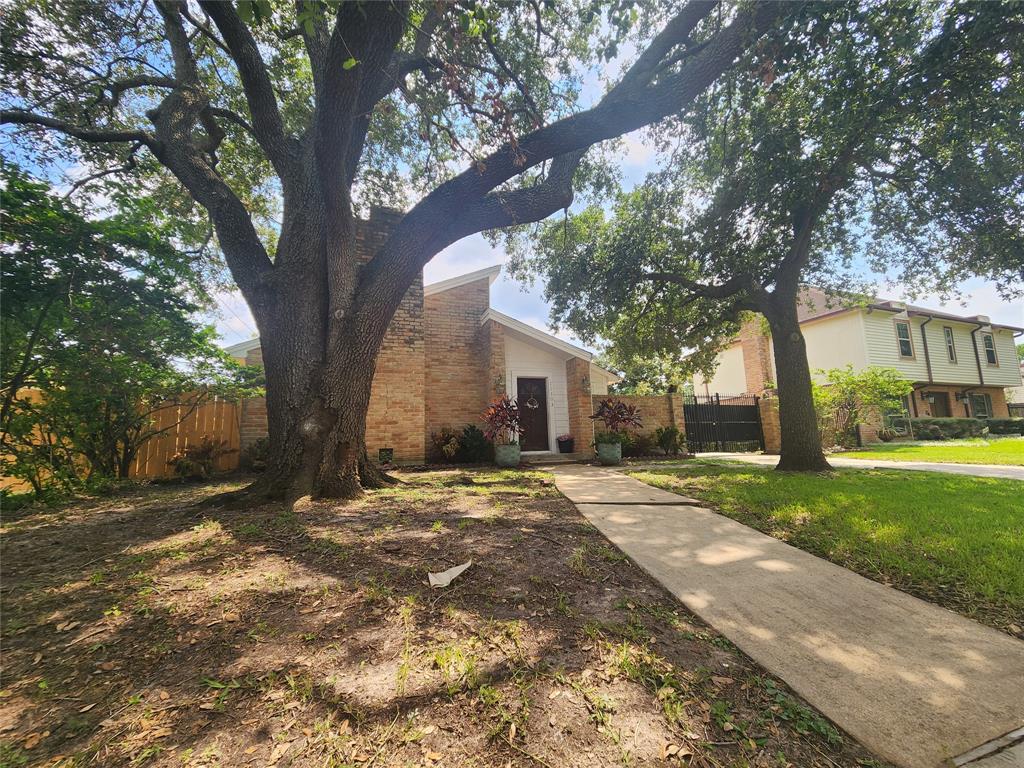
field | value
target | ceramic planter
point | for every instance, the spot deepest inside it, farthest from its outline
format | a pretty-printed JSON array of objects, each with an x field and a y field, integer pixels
[
  {"x": 507, "y": 455},
  {"x": 566, "y": 446},
  {"x": 609, "y": 453}
]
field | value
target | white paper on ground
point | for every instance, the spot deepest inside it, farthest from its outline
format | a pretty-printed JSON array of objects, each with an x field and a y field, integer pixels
[{"x": 444, "y": 578}]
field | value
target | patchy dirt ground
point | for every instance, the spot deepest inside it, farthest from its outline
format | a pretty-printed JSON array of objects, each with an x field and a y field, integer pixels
[{"x": 142, "y": 630}]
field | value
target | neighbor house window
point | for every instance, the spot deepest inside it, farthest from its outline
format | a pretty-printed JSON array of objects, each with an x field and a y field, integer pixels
[
  {"x": 950, "y": 345},
  {"x": 990, "y": 348},
  {"x": 903, "y": 337},
  {"x": 981, "y": 406}
]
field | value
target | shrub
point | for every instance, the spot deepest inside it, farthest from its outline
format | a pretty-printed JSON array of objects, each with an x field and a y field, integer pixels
[
  {"x": 196, "y": 462},
  {"x": 669, "y": 439},
  {"x": 474, "y": 447},
  {"x": 444, "y": 445},
  {"x": 887, "y": 434},
  {"x": 1011, "y": 426},
  {"x": 931, "y": 428},
  {"x": 847, "y": 398},
  {"x": 634, "y": 445},
  {"x": 254, "y": 458},
  {"x": 470, "y": 446}
]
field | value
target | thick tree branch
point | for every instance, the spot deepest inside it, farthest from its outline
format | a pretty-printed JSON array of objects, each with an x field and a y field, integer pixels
[
  {"x": 624, "y": 109},
  {"x": 91, "y": 135},
  {"x": 259, "y": 91},
  {"x": 175, "y": 120},
  {"x": 520, "y": 206}
]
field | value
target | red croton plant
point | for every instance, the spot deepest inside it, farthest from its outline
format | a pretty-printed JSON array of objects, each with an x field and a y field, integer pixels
[
  {"x": 503, "y": 421},
  {"x": 617, "y": 416}
]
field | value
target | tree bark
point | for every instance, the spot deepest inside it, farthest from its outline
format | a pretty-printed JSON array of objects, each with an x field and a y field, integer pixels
[{"x": 798, "y": 421}]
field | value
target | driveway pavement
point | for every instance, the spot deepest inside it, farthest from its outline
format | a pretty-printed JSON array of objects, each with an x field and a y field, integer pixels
[
  {"x": 916, "y": 684},
  {"x": 978, "y": 470}
]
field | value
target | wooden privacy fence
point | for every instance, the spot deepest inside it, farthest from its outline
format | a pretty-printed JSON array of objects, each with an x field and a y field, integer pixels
[{"x": 216, "y": 419}]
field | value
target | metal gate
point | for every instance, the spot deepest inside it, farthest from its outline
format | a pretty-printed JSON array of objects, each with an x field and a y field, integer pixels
[{"x": 722, "y": 423}]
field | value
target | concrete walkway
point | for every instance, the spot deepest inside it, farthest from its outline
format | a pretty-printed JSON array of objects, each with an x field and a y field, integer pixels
[
  {"x": 914, "y": 683},
  {"x": 977, "y": 470}
]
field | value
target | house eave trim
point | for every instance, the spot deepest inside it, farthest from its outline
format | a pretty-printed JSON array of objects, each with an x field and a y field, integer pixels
[
  {"x": 536, "y": 334},
  {"x": 490, "y": 273},
  {"x": 242, "y": 348}
]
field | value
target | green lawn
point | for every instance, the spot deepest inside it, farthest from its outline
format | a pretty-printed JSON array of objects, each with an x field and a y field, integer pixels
[
  {"x": 954, "y": 540},
  {"x": 1006, "y": 450}
]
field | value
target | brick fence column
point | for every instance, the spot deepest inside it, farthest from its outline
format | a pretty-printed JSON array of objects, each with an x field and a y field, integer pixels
[
  {"x": 769, "y": 408},
  {"x": 577, "y": 385}
]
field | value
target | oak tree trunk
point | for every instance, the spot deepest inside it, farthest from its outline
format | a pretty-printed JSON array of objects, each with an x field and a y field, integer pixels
[
  {"x": 319, "y": 359},
  {"x": 798, "y": 421}
]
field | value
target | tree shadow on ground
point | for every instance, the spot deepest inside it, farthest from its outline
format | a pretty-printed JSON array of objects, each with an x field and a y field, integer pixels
[{"x": 139, "y": 630}]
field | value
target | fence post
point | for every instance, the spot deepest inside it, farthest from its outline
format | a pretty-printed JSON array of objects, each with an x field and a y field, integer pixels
[{"x": 718, "y": 423}]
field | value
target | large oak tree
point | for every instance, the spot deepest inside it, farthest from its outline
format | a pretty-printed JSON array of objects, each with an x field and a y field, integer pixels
[
  {"x": 889, "y": 138},
  {"x": 325, "y": 105}
]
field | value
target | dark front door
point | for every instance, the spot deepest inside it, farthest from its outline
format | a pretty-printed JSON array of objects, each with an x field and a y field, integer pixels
[
  {"x": 532, "y": 396},
  {"x": 940, "y": 408}
]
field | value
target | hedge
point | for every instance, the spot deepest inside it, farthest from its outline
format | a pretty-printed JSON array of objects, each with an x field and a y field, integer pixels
[{"x": 925, "y": 428}]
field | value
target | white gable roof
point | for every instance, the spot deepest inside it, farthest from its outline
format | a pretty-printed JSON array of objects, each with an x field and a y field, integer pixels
[
  {"x": 242, "y": 348},
  {"x": 491, "y": 273}
]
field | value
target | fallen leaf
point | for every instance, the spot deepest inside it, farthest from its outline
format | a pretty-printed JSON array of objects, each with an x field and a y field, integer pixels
[
  {"x": 426, "y": 731},
  {"x": 512, "y": 732},
  {"x": 87, "y": 707},
  {"x": 164, "y": 695},
  {"x": 33, "y": 740},
  {"x": 107, "y": 666},
  {"x": 231, "y": 616},
  {"x": 278, "y": 752},
  {"x": 250, "y": 750}
]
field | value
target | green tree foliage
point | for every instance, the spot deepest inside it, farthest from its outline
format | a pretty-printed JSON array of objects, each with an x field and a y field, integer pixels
[
  {"x": 845, "y": 398},
  {"x": 99, "y": 331},
  {"x": 883, "y": 134},
  {"x": 282, "y": 121}
]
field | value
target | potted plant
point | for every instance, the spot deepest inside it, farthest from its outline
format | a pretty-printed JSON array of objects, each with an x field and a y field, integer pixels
[
  {"x": 565, "y": 443},
  {"x": 503, "y": 429},
  {"x": 617, "y": 417}
]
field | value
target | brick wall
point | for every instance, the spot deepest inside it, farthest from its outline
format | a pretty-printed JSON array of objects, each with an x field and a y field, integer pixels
[
  {"x": 769, "y": 407},
  {"x": 254, "y": 409},
  {"x": 581, "y": 403},
  {"x": 395, "y": 416},
  {"x": 755, "y": 343},
  {"x": 459, "y": 371},
  {"x": 655, "y": 410}
]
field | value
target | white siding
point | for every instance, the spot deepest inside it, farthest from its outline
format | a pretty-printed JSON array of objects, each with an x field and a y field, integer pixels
[
  {"x": 728, "y": 378},
  {"x": 883, "y": 348},
  {"x": 598, "y": 381},
  {"x": 1007, "y": 373},
  {"x": 835, "y": 342},
  {"x": 528, "y": 359},
  {"x": 965, "y": 369}
]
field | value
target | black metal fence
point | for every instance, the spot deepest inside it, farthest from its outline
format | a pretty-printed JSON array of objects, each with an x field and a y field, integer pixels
[{"x": 722, "y": 423}]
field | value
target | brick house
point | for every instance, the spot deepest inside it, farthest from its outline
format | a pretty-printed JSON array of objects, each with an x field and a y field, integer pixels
[
  {"x": 958, "y": 365},
  {"x": 446, "y": 355}
]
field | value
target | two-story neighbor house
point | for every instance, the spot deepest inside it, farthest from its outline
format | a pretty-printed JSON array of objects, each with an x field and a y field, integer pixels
[
  {"x": 959, "y": 365},
  {"x": 446, "y": 355}
]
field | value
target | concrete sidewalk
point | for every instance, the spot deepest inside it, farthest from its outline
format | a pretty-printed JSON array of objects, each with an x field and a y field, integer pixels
[
  {"x": 977, "y": 470},
  {"x": 916, "y": 684}
]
